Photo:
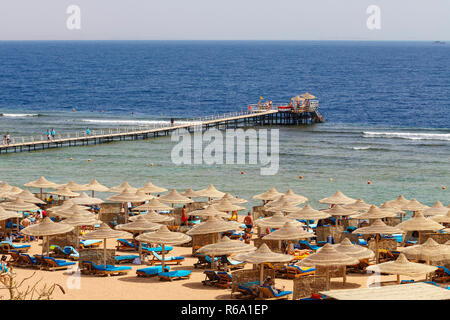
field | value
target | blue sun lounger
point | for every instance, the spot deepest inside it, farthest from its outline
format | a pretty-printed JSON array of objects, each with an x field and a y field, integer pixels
[
  {"x": 27, "y": 261},
  {"x": 167, "y": 260},
  {"x": 269, "y": 293},
  {"x": 178, "y": 274},
  {"x": 89, "y": 267},
  {"x": 90, "y": 243},
  {"x": 6, "y": 246},
  {"x": 125, "y": 258},
  {"x": 308, "y": 245},
  {"x": 55, "y": 264},
  {"x": 151, "y": 271},
  {"x": 158, "y": 249}
]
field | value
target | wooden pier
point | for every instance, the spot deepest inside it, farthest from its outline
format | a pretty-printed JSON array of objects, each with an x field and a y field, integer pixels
[{"x": 249, "y": 118}]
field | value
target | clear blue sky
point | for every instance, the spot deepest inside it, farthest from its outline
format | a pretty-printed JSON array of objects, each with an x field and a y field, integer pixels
[{"x": 225, "y": 20}]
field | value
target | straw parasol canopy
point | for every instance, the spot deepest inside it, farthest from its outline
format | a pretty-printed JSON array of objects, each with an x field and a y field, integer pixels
[
  {"x": 153, "y": 204},
  {"x": 353, "y": 250},
  {"x": 152, "y": 216},
  {"x": 151, "y": 188},
  {"x": 285, "y": 207},
  {"x": 338, "y": 198},
  {"x": 328, "y": 256},
  {"x": 339, "y": 211},
  {"x": 105, "y": 232},
  {"x": 42, "y": 183},
  {"x": 358, "y": 205},
  {"x": 308, "y": 213},
  {"x": 94, "y": 185},
  {"x": 79, "y": 219},
  {"x": 84, "y": 199},
  {"x": 414, "y": 205},
  {"x": 429, "y": 251},
  {"x": 212, "y": 225},
  {"x": 190, "y": 193},
  {"x": 276, "y": 221},
  {"x": 375, "y": 213},
  {"x": 400, "y": 202},
  {"x": 283, "y": 201},
  {"x": 127, "y": 195},
  {"x": 402, "y": 266},
  {"x": 164, "y": 237},
  {"x": 289, "y": 231},
  {"x": 437, "y": 209},
  {"x": 66, "y": 205},
  {"x": 269, "y": 195},
  {"x": 226, "y": 205},
  {"x": 226, "y": 247},
  {"x": 442, "y": 218},
  {"x": 208, "y": 211},
  {"x": 229, "y": 197},
  {"x": 65, "y": 192},
  {"x": 291, "y": 195},
  {"x": 5, "y": 215},
  {"x": 144, "y": 195},
  {"x": 75, "y": 186},
  {"x": 26, "y": 196},
  {"x": 385, "y": 206},
  {"x": 139, "y": 224},
  {"x": 5, "y": 187},
  {"x": 307, "y": 96},
  {"x": 19, "y": 205},
  {"x": 174, "y": 197},
  {"x": 211, "y": 192},
  {"x": 14, "y": 191},
  {"x": 419, "y": 223},
  {"x": 70, "y": 211},
  {"x": 46, "y": 228},
  {"x": 122, "y": 187}
]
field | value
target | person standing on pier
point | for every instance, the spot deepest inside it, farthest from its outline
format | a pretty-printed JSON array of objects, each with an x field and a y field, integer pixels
[
  {"x": 52, "y": 133},
  {"x": 88, "y": 131},
  {"x": 172, "y": 121}
]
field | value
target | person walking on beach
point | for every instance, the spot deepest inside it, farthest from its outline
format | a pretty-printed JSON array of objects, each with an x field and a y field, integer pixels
[{"x": 184, "y": 218}]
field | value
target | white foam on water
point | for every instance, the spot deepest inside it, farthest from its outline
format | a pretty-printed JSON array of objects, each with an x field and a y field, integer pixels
[
  {"x": 19, "y": 115},
  {"x": 408, "y": 135},
  {"x": 361, "y": 148}
]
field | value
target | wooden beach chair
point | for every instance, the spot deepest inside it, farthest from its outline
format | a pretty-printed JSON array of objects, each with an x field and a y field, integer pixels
[
  {"x": 151, "y": 271},
  {"x": 53, "y": 264},
  {"x": 211, "y": 278},
  {"x": 156, "y": 258},
  {"x": 231, "y": 264},
  {"x": 442, "y": 274},
  {"x": 267, "y": 293},
  {"x": 7, "y": 246},
  {"x": 27, "y": 261},
  {"x": 247, "y": 290},
  {"x": 14, "y": 258},
  {"x": 88, "y": 267},
  {"x": 293, "y": 271},
  {"x": 85, "y": 244},
  {"x": 125, "y": 245},
  {"x": 224, "y": 280},
  {"x": 178, "y": 275}
]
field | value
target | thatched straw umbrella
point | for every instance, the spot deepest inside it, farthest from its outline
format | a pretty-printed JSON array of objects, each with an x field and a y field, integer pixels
[
  {"x": 390, "y": 208},
  {"x": 5, "y": 215},
  {"x": 4, "y": 188},
  {"x": 285, "y": 207},
  {"x": 419, "y": 223},
  {"x": 46, "y": 228},
  {"x": 327, "y": 257},
  {"x": 263, "y": 255},
  {"x": 226, "y": 206},
  {"x": 353, "y": 250},
  {"x": 269, "y": 195},
  {"x": 291, "y": 195},
  {"x": 153, "y": 204},
  {"x": 213, "y": 225},
  {"x": 442, "y": 218},
  {"x": 190, "y": 193},
  {"x": 225, "y": 247},
  {"x": 338, "y": 198},
  {"x": 283, "y": 201},
  {"x": 377, "y": 228},
  {"x": 127, "y": 195},
  {"x": 358, "y": 205},
  {"x": 84, "y": 199},
  {"x": 374, "y": 213},
  {"x": 122, "y": 187},
  {"x": 139, "y": 225},
  {"x": 402, "y": 266},
  {"x": 174, "y": 197},
  {"x": 105, "y": 232},
  {"x": 70, "y": 211},
  {"x": 65, "y": 192},
  {"x": 42, "y": 183},
  {"x": 73, "y": 186},
  {"x": 288, "y": 232},
  {"x": 164, "y": 237},
  {"x": 208, "y": 211},
  {"x": 430, "y": 251},
  {"x": 414, "y": 206},
  {"x": 437, "y": 209},
  {"x": 66, "y": 205},
  {"x": 26, "y": 196},
  {"x": 19, "y": 205},
  {"x": 146, "y": 196},
  {"x": 14, "y": 191},
  {"x": 94, "y": 185},
  {"x": 152, "y": 216},
  {"x": 211, "y": 192},
  {"x": 276, "y": 221},
  {"x": 400, "y": 202},
  {"x": 151, "y": 188},
  {"x": 339, "y": 211},
  {"x": 308, "y": 213},
  {"x": 78, "y": 219},
  {"x": 229, "y": 197},
  {"x": 307, "y": 96}
]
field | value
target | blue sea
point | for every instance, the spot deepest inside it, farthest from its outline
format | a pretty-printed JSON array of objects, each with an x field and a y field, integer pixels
[{"x": 386, "y": 105}]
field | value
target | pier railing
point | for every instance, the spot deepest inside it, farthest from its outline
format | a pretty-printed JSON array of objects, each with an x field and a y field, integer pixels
[{"x": 99, "y": 132}]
